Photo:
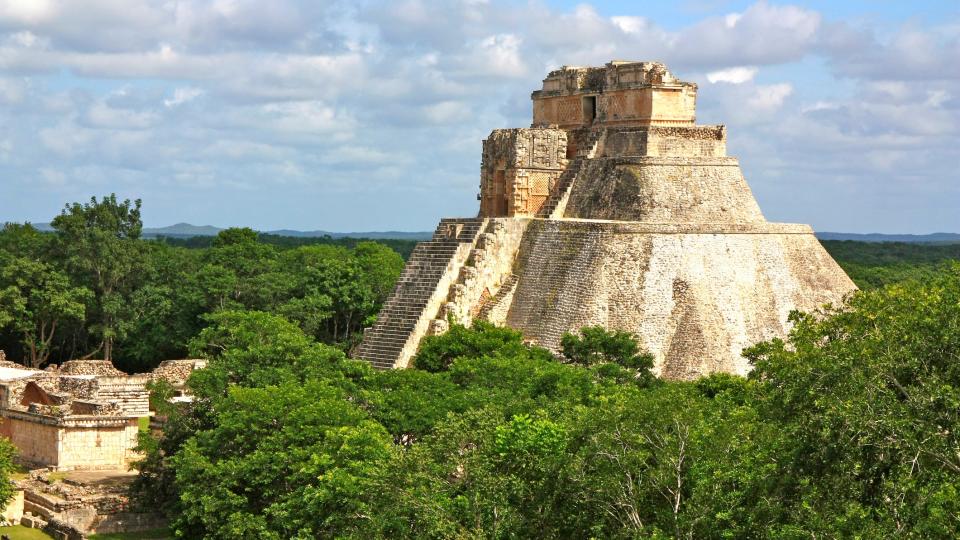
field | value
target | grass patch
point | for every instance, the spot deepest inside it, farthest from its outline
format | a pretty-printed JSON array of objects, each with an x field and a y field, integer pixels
[
  {"x": 152, "y": 534},
  {"x": 20, "y": 473},
  {"x": 57, "y": 476},
  {"x": 19, "y": 532}
]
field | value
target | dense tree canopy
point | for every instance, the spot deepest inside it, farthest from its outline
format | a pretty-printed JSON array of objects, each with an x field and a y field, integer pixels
[{"x": 94, "y": 288}]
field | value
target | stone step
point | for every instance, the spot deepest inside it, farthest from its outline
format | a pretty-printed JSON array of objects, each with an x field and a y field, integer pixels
[{"x": 404, "y": 310}]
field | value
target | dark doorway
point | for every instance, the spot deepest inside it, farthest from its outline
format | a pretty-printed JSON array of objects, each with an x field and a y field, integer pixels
[
  {"x": 499, "y": 193},
  {"x": 589, "y": 109}
]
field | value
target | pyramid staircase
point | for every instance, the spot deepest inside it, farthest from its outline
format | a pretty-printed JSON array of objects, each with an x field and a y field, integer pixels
[
  {"x": 416, "y": 298},
  {"x": 589, "y": 141}
]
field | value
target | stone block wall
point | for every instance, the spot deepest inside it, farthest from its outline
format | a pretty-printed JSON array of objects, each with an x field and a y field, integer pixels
[
  {"x": 130, "y": 392},
  {"x": 620, "y": 93},
  {"x": 663, "y": 190},
  {"x": 81, "y": 386},
  {"x": 176, "y": 372},
  {"x": 37, "y": 442},
  {"x": 695, "y": 295},
  {"x": 690, "y": 141},
  {"x": 519, "y": 169},
  {"x": 490, "y": 266},
  {"x": 89, "y": 367},
  {"x": 102, "y": 447}
]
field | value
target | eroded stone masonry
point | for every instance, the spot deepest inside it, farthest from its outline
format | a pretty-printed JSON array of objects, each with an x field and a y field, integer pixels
[{"x": 613, "y": 208}]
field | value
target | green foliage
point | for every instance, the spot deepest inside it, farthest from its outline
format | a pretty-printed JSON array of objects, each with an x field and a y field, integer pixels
[
  {"x": 609, "y": 350},
  {"x": 8, "y": 467},
  {"x": 848, "y": 429},
  {"x": 403, "y": 247},
  {"x": 483, "y": 339},
  {"x": 94, "y": 287},
  {"x": 37, "y": 300},
  {"x": 874, "y": 264},
  {"x": 287, "y": 461},
  {"x": 868, "y": 399},
  {"x": 99, "y": 242}
]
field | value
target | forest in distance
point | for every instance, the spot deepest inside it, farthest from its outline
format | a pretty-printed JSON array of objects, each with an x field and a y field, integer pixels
[{"x": 848, "y": 428}]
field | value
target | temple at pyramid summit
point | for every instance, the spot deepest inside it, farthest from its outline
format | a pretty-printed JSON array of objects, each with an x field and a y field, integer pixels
[{"x": 613, "y": 208}]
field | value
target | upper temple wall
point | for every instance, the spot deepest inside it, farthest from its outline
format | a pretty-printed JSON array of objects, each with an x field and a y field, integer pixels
[
  {"x": 618, "y": 94},
  {"x": 519, "y": 169}
]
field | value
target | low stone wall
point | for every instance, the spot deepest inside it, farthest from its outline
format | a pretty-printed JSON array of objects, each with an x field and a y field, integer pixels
[
  {"x": 176, "y": 372},
  {"x": 90, "y": 367}
]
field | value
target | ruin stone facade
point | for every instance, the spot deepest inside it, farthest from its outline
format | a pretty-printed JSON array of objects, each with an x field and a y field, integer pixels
[
  {"x": 81, "y": 415},
  {"x": 614, "y": 208}
]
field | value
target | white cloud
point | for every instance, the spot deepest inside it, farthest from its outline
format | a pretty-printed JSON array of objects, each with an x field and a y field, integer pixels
[
  {"x": 770, "y": 97},
  {"x": 318, "y": 94},
  {"x": 734, "y": 75},
  {"x": 101, "y": 115},
  {"x": 53, "y": 177},
  {"x": 181, "y": 96},
  {"x": 630, "y": 24},
  {"x": 26, "y": 11}
]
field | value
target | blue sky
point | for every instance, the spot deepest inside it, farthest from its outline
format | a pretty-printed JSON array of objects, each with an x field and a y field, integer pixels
[{"x": 354, "y": 116}]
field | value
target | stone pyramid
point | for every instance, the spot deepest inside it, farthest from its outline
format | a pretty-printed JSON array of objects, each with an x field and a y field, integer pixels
[{"x": 613, "y": 208}]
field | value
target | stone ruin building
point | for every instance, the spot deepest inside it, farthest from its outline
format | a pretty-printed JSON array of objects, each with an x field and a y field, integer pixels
[
  {"x": 616, "y": 209},
  {"x": 75, "y": 426},
  {"x": 82, "y": 415}
]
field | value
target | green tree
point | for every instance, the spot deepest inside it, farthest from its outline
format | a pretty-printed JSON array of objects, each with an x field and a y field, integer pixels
[
  {"x": 36, "y": 300},
  {"x": 866, "y": 400},
  {"x": 8, "y": 454},
  {"x": 437, "y": 353},
  {"x": 99, "y": 243},
  {"x": 288, "y": 461},
  {"x": 24, "y": 240},
  {"x": 597, "y": 345}
]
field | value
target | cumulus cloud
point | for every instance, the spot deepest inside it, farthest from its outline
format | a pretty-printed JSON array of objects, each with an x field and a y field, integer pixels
[
  {"x": 331, "y": 99},
  {"x": 770, "y": 97},
  {"x": 734, "y": 75}
]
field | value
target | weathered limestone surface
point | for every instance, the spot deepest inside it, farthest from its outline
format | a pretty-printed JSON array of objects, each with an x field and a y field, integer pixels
[
  {"x": 664, "y": 190},
  {"x": 648, "y": 227},
  {"x": 695, "y": 299},
  {"x": 620, "y": 93}
]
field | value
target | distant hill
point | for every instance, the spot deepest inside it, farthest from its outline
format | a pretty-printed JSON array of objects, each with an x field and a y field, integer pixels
[
  {"x": 374, "y": 235},
  {"x": 186, "y": 230},
  {"x": 181, "y": 230},
  {"x": 933, "y": 238}
]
